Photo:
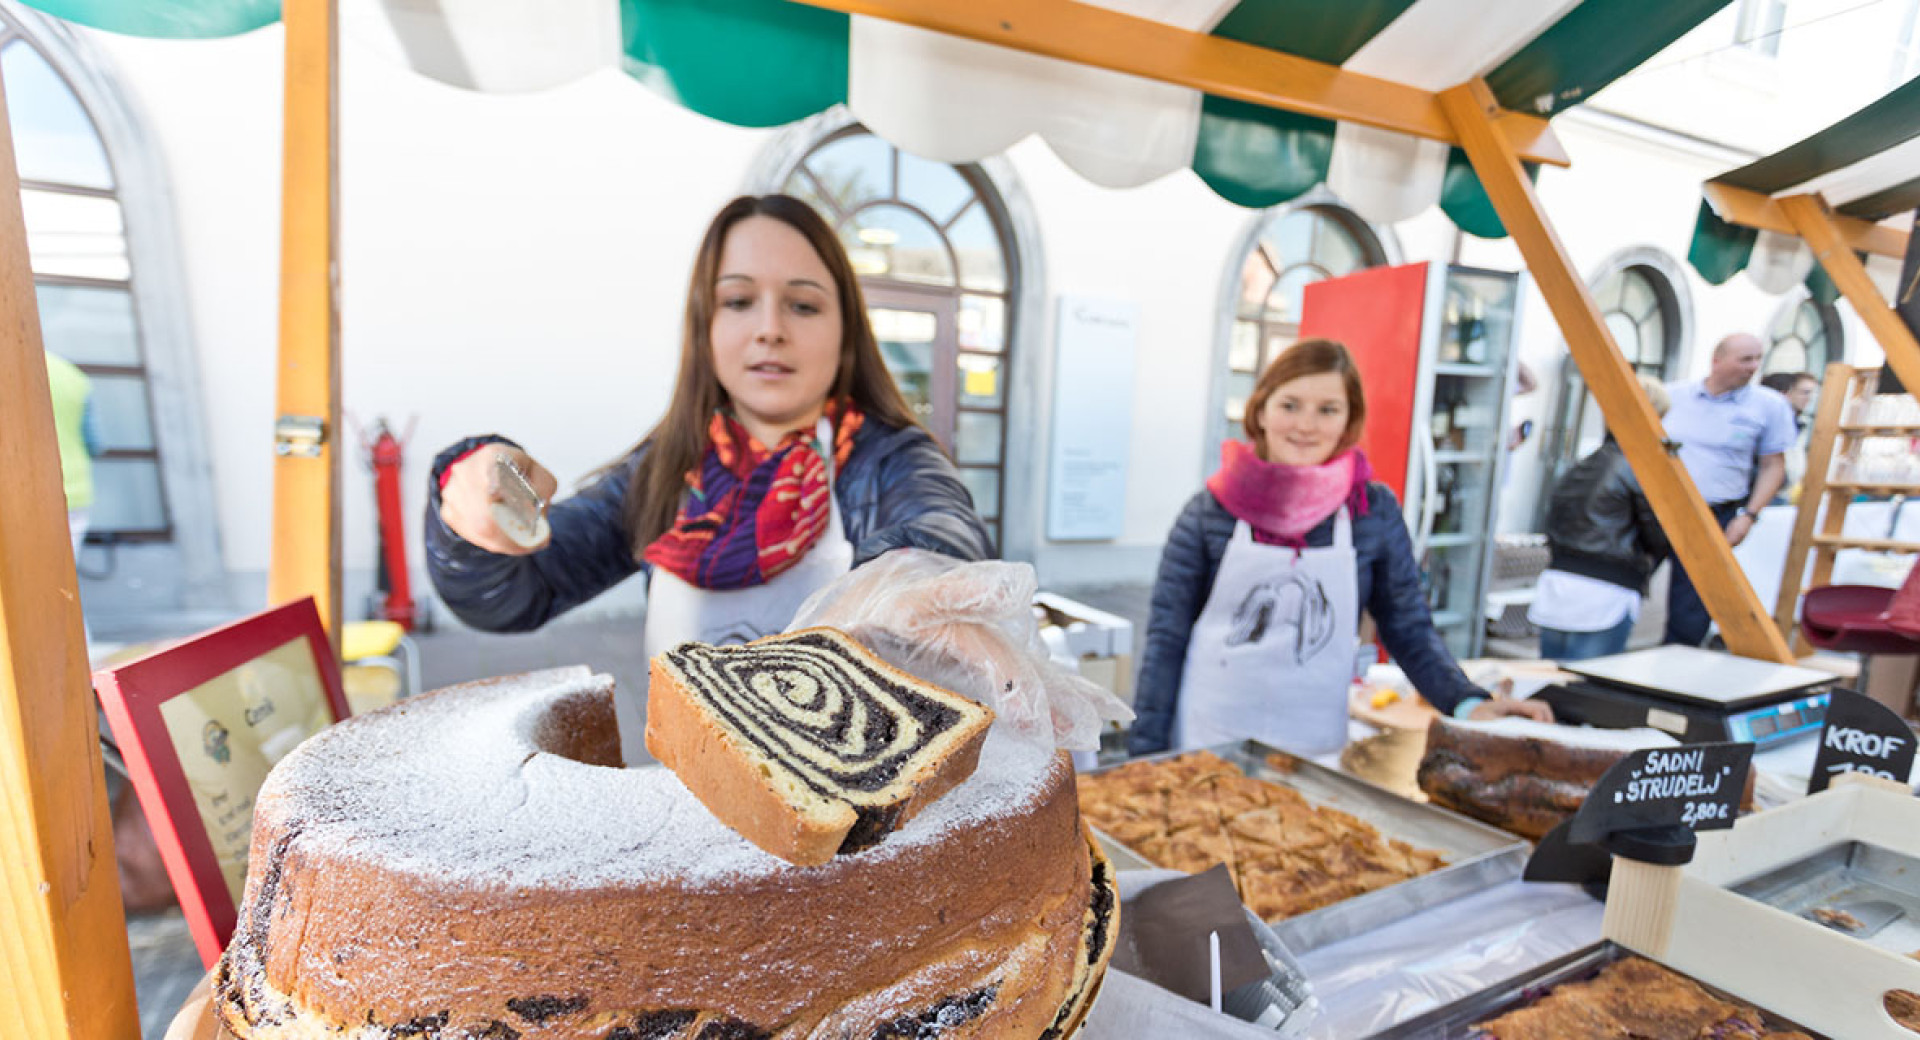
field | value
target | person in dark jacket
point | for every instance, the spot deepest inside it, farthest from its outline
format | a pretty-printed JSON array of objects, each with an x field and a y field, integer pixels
[
  {"x": 787, "y": 456},
  {"x": 1605, "y": 543},
  {"x": 1255, "y": 613}
]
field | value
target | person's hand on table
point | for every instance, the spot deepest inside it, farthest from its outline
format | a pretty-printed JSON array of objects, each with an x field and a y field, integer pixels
[
  {"x": 472, "y": 489},
  {"x": 1538, "y": 711}
]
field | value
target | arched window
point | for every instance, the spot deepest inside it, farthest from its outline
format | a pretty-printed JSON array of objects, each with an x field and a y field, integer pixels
[
  {"x": 1643, "y": 312},
  {"x": 83, "y": 279},
  {"x": 1804, "y": 336},
  {"x": 1293, "y": 248},
  {"x": 930, "y": 244}
]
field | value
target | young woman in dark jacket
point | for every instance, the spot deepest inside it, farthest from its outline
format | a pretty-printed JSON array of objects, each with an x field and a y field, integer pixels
[
  {"x": 1254, "y": 622},
  {"x": 1605, "y": 543},
  {"x": 786, "y": 456}
]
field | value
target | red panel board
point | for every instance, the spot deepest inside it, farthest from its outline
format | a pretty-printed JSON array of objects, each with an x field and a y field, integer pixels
[{"x": 1376, "y": 313}]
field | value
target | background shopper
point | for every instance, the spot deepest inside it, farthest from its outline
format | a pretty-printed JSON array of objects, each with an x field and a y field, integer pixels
[{"x": 1605, "y": 543}]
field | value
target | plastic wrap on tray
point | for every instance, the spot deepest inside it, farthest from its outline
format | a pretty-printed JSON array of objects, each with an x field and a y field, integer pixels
[{"x": 1453, "y": 951}]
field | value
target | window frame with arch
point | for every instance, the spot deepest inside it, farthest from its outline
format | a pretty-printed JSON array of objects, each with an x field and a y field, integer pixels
[
  {"x": 113, "y": 300},
  {"x": 948, "y": 309},
  {"x": 1667, "y": 297},
  {"x": 1247, "y": 334},
  {"x": 1789, "y": 323}
]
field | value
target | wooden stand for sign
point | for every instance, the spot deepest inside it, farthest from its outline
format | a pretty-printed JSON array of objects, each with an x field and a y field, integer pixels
[
  {"x": 1688, "y": 919},
  {"x": 1833, "y": 438}
]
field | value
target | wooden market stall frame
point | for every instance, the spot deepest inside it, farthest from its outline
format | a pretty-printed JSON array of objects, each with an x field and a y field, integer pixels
[
  {"x": 1835, "y": 240},
  {"x": 67, "y": 961}
]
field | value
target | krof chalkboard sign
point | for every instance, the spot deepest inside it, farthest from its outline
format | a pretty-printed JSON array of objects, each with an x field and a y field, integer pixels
[
  {"x": 1861, "y": 736},
  {"x": 1647, "y": 807}
]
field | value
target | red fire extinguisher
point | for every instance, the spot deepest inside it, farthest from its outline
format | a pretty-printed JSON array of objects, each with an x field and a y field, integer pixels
[{"x": 395, "y": 596}]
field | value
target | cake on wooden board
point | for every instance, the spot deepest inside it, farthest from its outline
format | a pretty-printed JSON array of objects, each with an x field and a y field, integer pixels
[
  {"x": 472, "y": 863},
  {"x": 807, "y": 743}
]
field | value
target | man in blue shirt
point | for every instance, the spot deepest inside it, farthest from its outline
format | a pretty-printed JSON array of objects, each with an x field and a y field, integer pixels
[{"x": 1733, "y": 439}]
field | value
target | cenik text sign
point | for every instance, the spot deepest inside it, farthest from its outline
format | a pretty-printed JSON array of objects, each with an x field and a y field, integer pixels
[{"x": 1697, "y": 786}]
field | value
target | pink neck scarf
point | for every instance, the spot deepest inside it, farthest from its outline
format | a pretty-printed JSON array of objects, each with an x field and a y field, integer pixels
[{"x": 1282, "y": 503}]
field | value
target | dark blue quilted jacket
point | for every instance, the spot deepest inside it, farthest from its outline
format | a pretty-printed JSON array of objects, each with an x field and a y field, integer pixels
[
  {"x": 1389, "y": 590},
  {"x": 898, "y": 490}
]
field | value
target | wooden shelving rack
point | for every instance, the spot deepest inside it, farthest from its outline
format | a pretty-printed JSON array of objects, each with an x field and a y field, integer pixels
[{"x": 1832, "y": 439}]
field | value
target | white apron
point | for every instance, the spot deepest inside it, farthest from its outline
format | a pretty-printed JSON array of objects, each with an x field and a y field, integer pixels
[
  {"x": 678, "y": 611},
  {"x": 1271, "y": 655}
]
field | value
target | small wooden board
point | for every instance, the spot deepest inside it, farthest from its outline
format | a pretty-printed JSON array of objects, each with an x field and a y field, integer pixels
[
  {"x": 1409, "y": 711},
  {"x": 196, "y": 1020}
]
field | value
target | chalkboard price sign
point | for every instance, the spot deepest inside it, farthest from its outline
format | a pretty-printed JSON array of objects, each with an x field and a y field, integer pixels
[
  {"x": 1697, "y": 786},
  {"x": 1861, "y": 736}
]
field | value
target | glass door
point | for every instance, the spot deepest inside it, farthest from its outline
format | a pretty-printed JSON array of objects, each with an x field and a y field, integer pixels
[
  {"x": 952, "y": 377},
  {"x": 918, "y": 341}
]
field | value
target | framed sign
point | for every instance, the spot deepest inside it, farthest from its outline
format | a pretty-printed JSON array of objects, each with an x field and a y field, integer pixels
[
  {"x": 1092, "y": 419},
  {"x": 200, "y": 723}
]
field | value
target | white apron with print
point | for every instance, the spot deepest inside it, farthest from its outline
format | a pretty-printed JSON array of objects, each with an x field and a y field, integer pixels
[
  {"x": 678, "y": 611},
  {"x": 1271, "y": 656}
]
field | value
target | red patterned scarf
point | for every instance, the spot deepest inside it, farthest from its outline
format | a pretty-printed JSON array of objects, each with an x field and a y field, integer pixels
[
  {"x": 752, "y": 511},
  {"x": 1282, "y": 503}
]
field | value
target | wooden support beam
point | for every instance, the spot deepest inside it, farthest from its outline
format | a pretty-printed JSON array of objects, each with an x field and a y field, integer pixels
[
  {"x": 1088, "y": 35},
  {"x": 1696, "y": 537},
  {"x": 306, "y": 486},
  {"x": 1813, "y": 492},
  {"x": 1815, "y": 223},
  {"x": 64, "y": 966},
  {"x": 1754, "y": 210}
]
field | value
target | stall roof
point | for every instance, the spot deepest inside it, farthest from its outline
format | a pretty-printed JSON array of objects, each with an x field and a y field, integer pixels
[
  {"x": 957, "y": 99},
  {"x": 1863, "y": 166}
]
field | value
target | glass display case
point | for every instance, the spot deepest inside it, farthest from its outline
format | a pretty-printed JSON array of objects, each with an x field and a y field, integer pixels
[
  {"x": 1435, "y": 346},
  {"x": 1468, "y": 363}
]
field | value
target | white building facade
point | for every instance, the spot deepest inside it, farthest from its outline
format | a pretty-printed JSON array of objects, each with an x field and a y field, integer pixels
[{"x": 518, "y": 263}]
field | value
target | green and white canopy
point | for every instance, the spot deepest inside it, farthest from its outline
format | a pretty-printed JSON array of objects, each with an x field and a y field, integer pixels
[
  {"x": 1866, "y": 166},
  {"x": 770, "y": 62}
]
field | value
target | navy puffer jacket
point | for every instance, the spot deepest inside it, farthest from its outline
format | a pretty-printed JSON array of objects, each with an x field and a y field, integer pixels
[
  {"x": 898, "y": 490},
  {"x": 1389, "y": 590}
]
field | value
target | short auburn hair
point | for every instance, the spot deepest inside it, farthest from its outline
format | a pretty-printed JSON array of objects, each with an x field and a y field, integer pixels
[{"x": 1309, "y": 357}]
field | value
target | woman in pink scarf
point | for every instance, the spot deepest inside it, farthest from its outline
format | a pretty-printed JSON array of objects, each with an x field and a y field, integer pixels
[{"x": 1256, "y": 609}]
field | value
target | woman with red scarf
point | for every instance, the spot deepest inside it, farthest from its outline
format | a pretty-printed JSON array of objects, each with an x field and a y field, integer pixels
[
  {"x": 786, "y": 457},
  {"x": 1256, "y": 610}
]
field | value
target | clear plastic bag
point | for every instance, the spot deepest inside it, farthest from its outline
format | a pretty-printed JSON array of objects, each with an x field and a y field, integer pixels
[{"x": 968, "y": 627}]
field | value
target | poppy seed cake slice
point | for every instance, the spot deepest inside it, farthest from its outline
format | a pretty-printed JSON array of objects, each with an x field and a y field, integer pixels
[{"x": 806, "y": 743}]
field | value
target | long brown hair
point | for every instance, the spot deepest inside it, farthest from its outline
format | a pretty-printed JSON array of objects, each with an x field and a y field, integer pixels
[
  {"x": 679, "y": 441},
  {"x": 1309, "y": 357}
]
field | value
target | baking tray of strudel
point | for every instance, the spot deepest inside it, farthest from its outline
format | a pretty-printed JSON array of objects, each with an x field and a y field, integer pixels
[
  {"x": 1603, "y": 990},
  {"x": 1318, "y": 854}
]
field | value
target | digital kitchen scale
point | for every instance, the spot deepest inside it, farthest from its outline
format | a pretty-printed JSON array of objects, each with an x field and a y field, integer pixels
[{"x": 1696, "y": 695}]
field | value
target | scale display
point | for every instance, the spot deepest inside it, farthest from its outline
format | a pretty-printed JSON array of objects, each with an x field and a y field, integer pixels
[{"x": 1777, "y": 722}]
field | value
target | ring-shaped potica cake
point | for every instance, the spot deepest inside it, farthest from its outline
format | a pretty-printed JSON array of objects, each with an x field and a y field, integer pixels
[{"x": 473, "y": 863}]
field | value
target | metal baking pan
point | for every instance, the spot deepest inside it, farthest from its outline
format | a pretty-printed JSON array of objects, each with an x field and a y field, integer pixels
[
  {"x": 1457, "y": 1021},
  {"x": 1478, "y": 856},
  {"x": 1843, "y": 877}
]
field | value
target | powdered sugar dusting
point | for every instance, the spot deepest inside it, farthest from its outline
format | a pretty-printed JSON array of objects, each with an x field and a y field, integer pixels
[{"x": 455, "y": 784}]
